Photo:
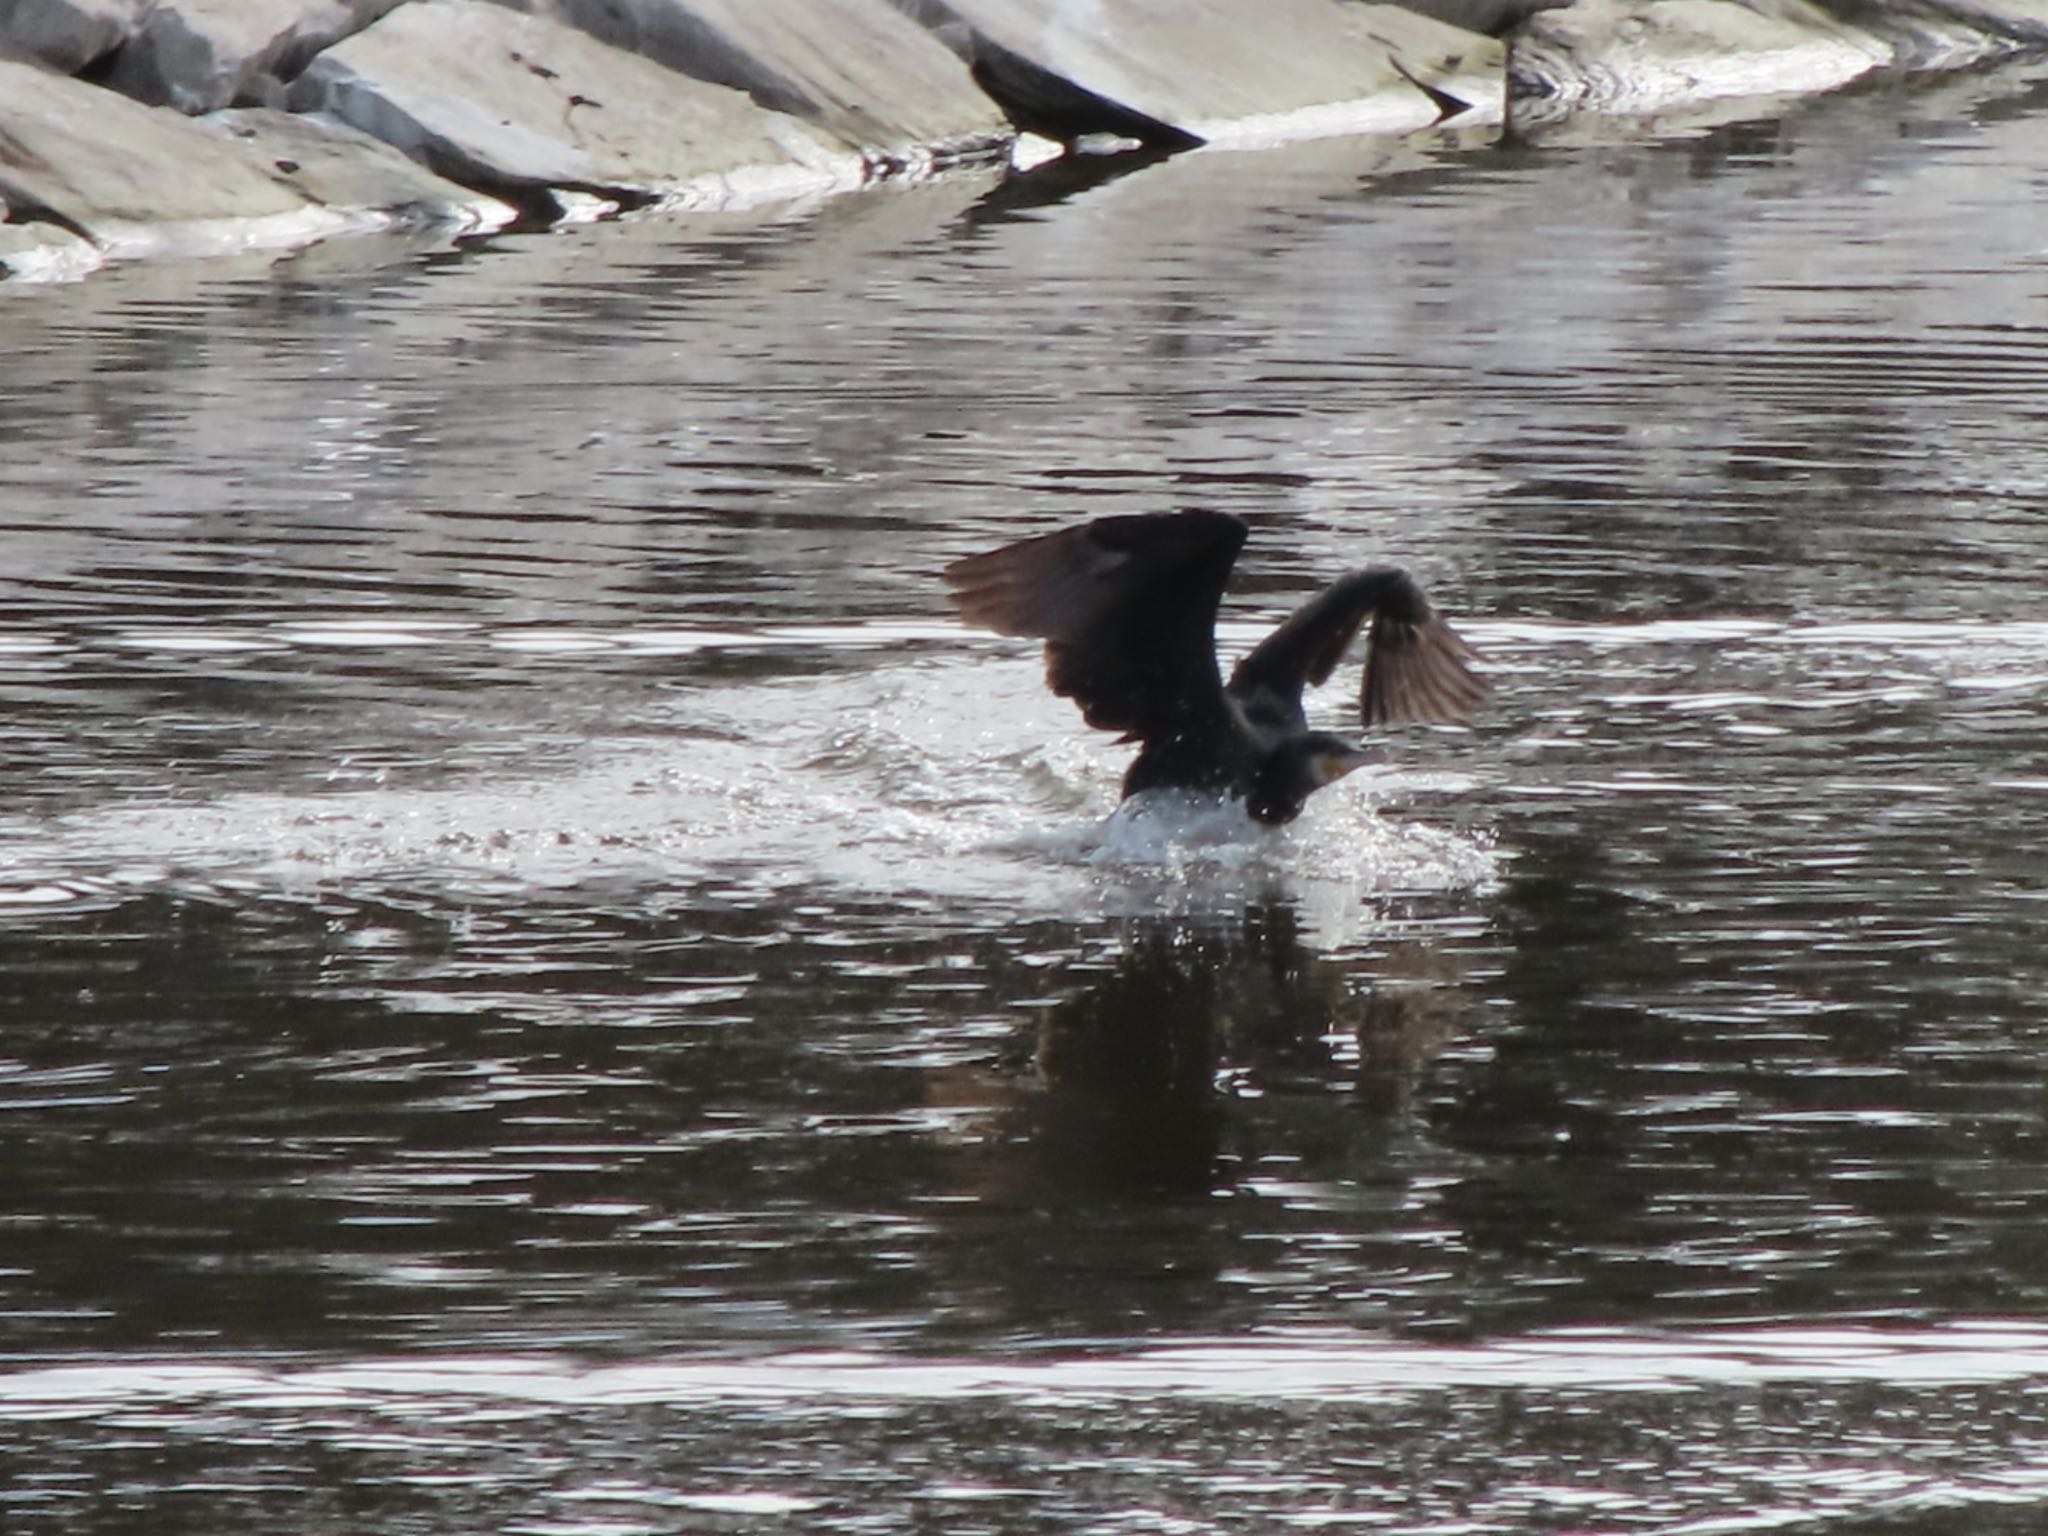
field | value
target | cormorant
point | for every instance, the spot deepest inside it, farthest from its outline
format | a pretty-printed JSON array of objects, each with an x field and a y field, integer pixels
[{"x": 1127, "y": 606}]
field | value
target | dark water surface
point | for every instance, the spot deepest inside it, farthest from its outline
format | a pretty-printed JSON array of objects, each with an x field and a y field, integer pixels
[{"x": 548, "y": 987}]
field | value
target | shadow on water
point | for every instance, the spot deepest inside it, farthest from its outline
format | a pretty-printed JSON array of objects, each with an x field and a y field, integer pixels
[
  {"x": 1193, "y": 1103},
  {"x": 1046, "y": 186},
  {"x": 1129, "y": 1103}
]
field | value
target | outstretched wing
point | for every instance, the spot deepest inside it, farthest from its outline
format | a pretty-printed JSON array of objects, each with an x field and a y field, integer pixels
[
  {"x": 1416, "y": 667},
  {"x": 1127, "y": 609}
]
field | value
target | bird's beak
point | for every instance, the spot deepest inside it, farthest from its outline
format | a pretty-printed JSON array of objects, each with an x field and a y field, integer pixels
[{"x": 1333, "y": 765}]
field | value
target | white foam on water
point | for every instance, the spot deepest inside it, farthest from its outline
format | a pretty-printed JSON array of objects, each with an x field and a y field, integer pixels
[
  {"x": 909, "y": 781},
  {"x": 1321, "y": 1367}
]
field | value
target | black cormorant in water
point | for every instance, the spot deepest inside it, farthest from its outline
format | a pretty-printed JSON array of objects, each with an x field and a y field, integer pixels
[{"x": 1127, "y": 606}]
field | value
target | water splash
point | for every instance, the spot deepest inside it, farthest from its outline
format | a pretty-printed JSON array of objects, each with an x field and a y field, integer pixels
[{"x": 894, "y": 782}]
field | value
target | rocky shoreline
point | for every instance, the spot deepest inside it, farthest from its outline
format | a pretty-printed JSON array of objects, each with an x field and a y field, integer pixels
[{"x": 135, "y": 128}]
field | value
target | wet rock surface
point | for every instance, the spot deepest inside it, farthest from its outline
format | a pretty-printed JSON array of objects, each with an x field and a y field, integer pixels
[{"x": 451, "y": 114}]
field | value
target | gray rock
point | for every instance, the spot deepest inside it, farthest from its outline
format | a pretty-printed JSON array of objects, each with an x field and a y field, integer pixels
[
  {"x": 138, "y": 180},
  {"x": 1219, "y": 72},
  {"x": 530, "y": 108},
  {"x": 1443, "y": 60},
  {"x": 46, "y": 253},
  {"x": 859, "y": 69},
  {"x": 1947, "y": 33},
  {"x": 336, "y": 165},
  {"x": 67, "y": 34},
  {"x": 1491, "y": 17},
  {"x": 1645, "y": 56},
  {"x": 197, "y": 55}
]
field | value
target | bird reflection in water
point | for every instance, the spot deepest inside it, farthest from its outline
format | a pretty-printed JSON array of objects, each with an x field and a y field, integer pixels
[{"x": 1135, "y": 1078}]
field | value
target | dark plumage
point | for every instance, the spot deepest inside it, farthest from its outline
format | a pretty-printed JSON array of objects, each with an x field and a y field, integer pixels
[{"x": 1127, "y": 606}]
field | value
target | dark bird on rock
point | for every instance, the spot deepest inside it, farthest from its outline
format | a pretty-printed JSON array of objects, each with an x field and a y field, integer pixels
[{"x": 1127, "y": 607}]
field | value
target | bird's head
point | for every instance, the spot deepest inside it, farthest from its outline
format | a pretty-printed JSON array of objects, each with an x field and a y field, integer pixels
[{"x": 1296, "y": 769}]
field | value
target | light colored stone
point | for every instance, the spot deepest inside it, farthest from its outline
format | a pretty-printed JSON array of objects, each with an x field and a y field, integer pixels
[
  {"x": 859, "y": 69},
  {"x": 1640, "y": 56},
  {"x": 521, "y": 103},
  {"x": 139, "y": 180},
  {"x": 1948, "y": 34},
  {"x": 46, "y": 253},
  {"x": 197, "y": 55},
  {"x": 67, "y": 35},
  {"x": 1459, "y": 63},
  {"x": 343, "y": 168},
  {"x": 1235, "y": 74}
]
